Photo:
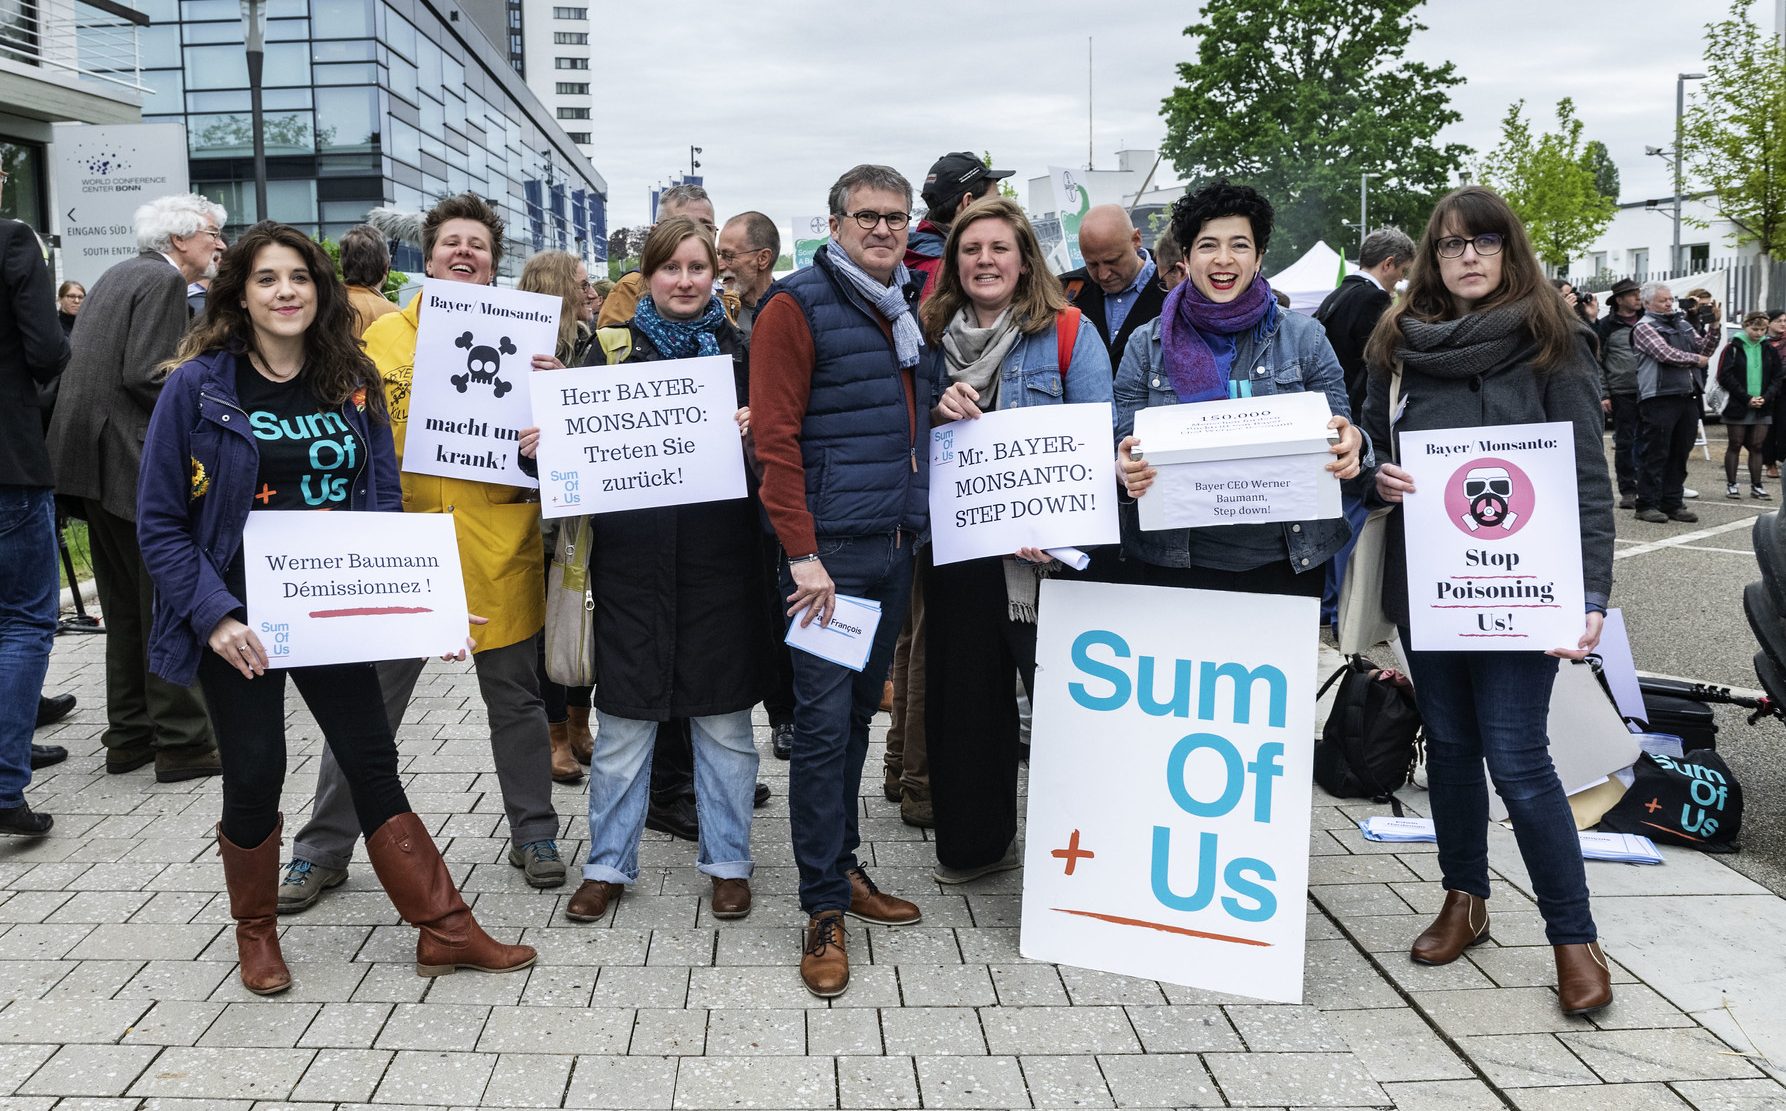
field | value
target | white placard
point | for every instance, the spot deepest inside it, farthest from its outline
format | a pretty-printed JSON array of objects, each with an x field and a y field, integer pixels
[
  {"x": 1040, "y": 476},
  {"x": 638, "y": 434},
  {"x": 847, "y": 640},
  {"x": 1493, "y": 539},
  {"x": 104, "y": 173},
  {"x": 1169, "y": 785},
  {"x": 468, "y": 400},
  {"x": 1240, "y": 461},
  {"x": 330, "y": 588}
]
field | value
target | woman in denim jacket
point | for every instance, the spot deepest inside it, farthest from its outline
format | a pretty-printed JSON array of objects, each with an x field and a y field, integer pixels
[
  {"x": 995, "y": 328},
  {"x": 1221, "y": 335}
]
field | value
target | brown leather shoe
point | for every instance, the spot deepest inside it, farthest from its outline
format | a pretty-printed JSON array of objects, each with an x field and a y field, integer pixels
[
  {"x": 582, "y": 741},
  {"x": 731, "y": 898},
  {"x": 887, "y": 697},
  {"x": 1462, "y": 922},
  {"x": 871, "y": 904},
  {"x": 824, "y": 965},
  {"x": 565, "y": 768},
  {"x": 177, "y": 765},
  {"x": 592, "y": 900},
  {"x": 409, "y": 866},
  {"x": 252, "y": 876},
  {"x": 1584, "y": 981},
  {"x": 917, "y": 811}
]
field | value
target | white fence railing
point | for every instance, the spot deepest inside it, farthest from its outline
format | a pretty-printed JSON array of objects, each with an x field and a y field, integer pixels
[{"x": 90, "y": 40}]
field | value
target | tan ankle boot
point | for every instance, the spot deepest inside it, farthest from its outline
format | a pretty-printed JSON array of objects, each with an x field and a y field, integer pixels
[
  {"x": 582, "y": 741},
  {"x": 1462, "y": 922},
  {"x": 1584, "y": 981},
  {"x": 422, "y": 890},
  {"x": 252, "y": 876},
  {"x": 565, "y": 768}
]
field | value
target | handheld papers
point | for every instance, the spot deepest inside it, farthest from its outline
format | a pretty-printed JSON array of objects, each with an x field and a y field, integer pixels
[
  {"x": 468, "y": 395},
  {"x": 638, "y": 434},
  {"x": 331, "y": 588},
  {"x": 847, "y": 640},
  {"x": 1493, "y": 539},
  {"x": 1039, "y": 476},
  {"x": 1245, "y": 461}
]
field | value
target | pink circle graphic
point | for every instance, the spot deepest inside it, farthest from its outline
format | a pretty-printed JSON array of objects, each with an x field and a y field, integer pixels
[{"x": 1489, "y": 498}]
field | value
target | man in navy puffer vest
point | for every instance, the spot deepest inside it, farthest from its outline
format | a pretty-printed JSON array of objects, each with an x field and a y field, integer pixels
[{"x": 840, "y": 419}]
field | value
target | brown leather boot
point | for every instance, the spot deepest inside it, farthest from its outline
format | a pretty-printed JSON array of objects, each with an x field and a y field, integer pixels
[
  {"x": 252, "y": 876},
  {"x": 1584, "y": 981},
  {"x": 824, "y": 964},
  {"x": 582, "y": 741},
  {"x": 422, "y": 890},
  {"x": 1462, "y": 922},
  {"x": 565, "y": 768}
]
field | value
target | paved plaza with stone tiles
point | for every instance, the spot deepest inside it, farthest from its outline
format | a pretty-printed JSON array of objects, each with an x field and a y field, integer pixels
[{"x": 118, "y": 986}]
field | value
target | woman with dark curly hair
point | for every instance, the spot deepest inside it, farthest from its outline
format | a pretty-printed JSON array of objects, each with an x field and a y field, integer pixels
[{"x": 270, "y": 392}]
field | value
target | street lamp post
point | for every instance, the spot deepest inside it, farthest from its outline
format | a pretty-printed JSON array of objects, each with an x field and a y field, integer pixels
[
  {"x": 1364, "y": 205},
  {"x": 254, "y": 33},
  {"x": 693, "y": 163},
  {"x": 1680, "y": 112}
]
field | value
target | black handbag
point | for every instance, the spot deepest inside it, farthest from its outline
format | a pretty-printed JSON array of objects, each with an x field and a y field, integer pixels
[
  {"x": 1370, "y": 744},
  {"x": 1690, "y": 800}
]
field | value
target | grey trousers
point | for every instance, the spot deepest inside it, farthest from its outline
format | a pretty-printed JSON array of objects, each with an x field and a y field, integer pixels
[{"x": 518, "y": 742}]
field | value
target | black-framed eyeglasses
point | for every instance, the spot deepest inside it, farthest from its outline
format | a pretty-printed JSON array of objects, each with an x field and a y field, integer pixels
[
  {"x": 1452, "y": 246},
  {"x": 734, "y": 256},
  {"x": 867, "y": 220}
]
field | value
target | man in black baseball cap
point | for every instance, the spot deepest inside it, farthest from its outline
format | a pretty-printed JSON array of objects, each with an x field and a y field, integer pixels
[{"x": 955, "y": 181}]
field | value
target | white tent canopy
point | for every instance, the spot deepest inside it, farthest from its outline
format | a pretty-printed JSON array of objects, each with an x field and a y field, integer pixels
[{"x": 1310, "y": 278}]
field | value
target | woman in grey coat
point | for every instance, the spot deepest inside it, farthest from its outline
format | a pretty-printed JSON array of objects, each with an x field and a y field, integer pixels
[{"x": 1482, "y": 339}]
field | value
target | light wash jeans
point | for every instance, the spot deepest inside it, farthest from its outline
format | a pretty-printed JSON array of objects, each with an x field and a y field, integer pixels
[{"x": 620, "y": 791}]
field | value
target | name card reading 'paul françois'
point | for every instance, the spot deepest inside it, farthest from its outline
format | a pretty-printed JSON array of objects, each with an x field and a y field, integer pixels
[{"x": 1249, "y": 460}]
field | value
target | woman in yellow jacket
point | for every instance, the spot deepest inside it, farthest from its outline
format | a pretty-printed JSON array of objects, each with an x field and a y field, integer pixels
[{"x": 500, "y": 551}]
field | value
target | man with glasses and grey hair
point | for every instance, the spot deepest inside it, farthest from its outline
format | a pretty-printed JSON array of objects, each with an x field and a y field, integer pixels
[
  {"x": 691, "y": 201},
  {"x": 1671, "y": 362},
  {"x": 131, "y": 323},
  {"x": 840, "y": 418},
  {"x": 749, "y": 244}
]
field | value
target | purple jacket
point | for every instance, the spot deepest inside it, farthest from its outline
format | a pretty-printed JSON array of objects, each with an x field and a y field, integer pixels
[{"x": 200, "y": 462}]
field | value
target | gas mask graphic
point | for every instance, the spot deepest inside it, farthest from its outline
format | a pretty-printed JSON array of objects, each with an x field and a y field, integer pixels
[{"x": 1488, "y": 491}]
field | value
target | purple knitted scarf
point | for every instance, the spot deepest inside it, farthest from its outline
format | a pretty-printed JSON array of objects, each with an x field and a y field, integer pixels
[{"x": 1188, "y": 316}]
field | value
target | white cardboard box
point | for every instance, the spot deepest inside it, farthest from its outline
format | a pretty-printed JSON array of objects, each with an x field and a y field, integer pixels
[{"x": 1244, "y": 461}]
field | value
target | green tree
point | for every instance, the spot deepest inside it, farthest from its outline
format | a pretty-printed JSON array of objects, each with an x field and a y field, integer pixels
[
  {"x": 1597, "y": 158},
  {"x": 1734, "y": 134},
  {"x": 1299, "y": 97},
  {"x": 1548, "y": 182}
]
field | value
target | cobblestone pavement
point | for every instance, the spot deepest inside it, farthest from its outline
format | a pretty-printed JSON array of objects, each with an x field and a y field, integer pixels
[{"x": 118, "y": 985}]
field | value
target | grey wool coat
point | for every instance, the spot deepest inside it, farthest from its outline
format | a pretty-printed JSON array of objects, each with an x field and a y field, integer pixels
[{"x": 130, "y": 324}]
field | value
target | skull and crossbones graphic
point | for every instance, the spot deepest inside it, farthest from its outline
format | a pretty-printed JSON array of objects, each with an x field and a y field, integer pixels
[{"x": 481, "y": 364}]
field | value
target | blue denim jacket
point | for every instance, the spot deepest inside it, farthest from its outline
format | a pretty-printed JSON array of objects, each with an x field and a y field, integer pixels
[
  {"x": 200, "y": 462},
  {"x": 1031, "y": 372},
  {"x": 1295, "y": 357}
]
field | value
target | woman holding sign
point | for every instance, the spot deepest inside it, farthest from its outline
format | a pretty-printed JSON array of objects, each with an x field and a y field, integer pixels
[
  {"x": 1221, "y": 335},
  {"x": 273, "y": 407},
  {"x": 1481, "y": 339},
  {"x": 999, "y": 335},
  {"x": 679, "y": 620}
]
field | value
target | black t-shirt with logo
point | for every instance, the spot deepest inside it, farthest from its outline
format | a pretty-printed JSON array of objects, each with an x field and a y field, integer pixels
[{"x": 308, "y": 453}]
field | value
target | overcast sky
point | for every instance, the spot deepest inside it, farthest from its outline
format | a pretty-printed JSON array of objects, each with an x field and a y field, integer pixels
[{"x": 784, "y": 95}]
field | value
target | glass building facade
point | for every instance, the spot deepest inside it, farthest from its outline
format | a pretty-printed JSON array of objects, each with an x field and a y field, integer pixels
[{"x": 368, "y": 103}]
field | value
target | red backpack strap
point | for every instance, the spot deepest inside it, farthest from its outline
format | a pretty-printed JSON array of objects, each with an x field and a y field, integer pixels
[{"x": 1066, "y": 330}]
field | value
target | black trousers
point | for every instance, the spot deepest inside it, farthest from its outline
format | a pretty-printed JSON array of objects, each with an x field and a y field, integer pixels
[
  {"x": 673, "y": 761},
  {"x": 1668, "y": 427},
  {"x": 249, "y": 716},
  {"x": 1276, "y": 577},
  {"x": 1624, "y": 441},
  {"x": 779, "y": 702},
  {"x": 974, "y": 655}
]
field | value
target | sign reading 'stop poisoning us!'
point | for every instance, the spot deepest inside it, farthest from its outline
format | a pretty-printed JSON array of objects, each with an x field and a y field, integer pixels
[{"x": 1493, "y": 539}]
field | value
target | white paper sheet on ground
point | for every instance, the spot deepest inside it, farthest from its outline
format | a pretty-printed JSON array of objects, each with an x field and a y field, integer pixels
[
  {"x": 847, "y": 640},
  {"x": 1588, "y": 739},
  {"x": 1386, "y": 827},
  {"x": 1622, "y": 848}
]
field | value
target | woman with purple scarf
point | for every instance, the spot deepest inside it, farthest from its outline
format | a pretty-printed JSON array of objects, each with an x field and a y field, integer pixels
[{"x": 1222, "y": 335}]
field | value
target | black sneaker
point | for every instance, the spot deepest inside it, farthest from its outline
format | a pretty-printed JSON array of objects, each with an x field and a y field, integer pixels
[
  {"x": 1627, "y": 501},
  {"x": 782, "y": 741},
  {"x": 674, "y": 816},
  {"x": 21, "y": 821},
  {"x": 1758, "y": 491},
  {"x": 1684, "y": 515},
  {"x": 1653, "y": 516},
  {"x": 761, "y": 798},
  {"x": 43, "y": 756}
]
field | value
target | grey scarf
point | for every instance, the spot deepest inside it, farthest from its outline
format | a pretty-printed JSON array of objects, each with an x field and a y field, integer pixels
[
  {"x": 1472, "y": 344},
  {"x": 888, "y": 300},
  {"x": 976, "y": 355}
]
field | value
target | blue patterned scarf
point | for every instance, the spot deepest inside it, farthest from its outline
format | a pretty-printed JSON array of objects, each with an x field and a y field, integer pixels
[{"x": 681, "y": 339}]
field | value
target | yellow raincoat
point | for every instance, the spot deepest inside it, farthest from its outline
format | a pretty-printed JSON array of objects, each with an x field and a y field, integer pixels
[{"x": 498, "y": 526}]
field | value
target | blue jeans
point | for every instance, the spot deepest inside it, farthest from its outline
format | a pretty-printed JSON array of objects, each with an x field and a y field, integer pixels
[
  {"x": 832, "y": 708},
  {"x": 27, "y": 625},
  {"x": 1356, "y": 512},
  {"x": 620, "y": 790},
  {"x": 1494, "y": 706}
]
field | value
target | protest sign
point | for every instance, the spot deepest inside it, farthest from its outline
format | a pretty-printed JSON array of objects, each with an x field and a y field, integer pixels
[
  {"x": 1249, "y": 460},
  {"x": 1169, "y": 796},
  {"x": 1493, "y": 539},
  {"x": 1039, "y": 476},
  {"x": 638, "y": 434},
  {"x": 468, "y": 397},
  {"x": 810, "y": 233},
  {"x": 847, "y": 640},
  {"x": 331, "y": 588},
  {"x": 1072, "y": 200}
]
